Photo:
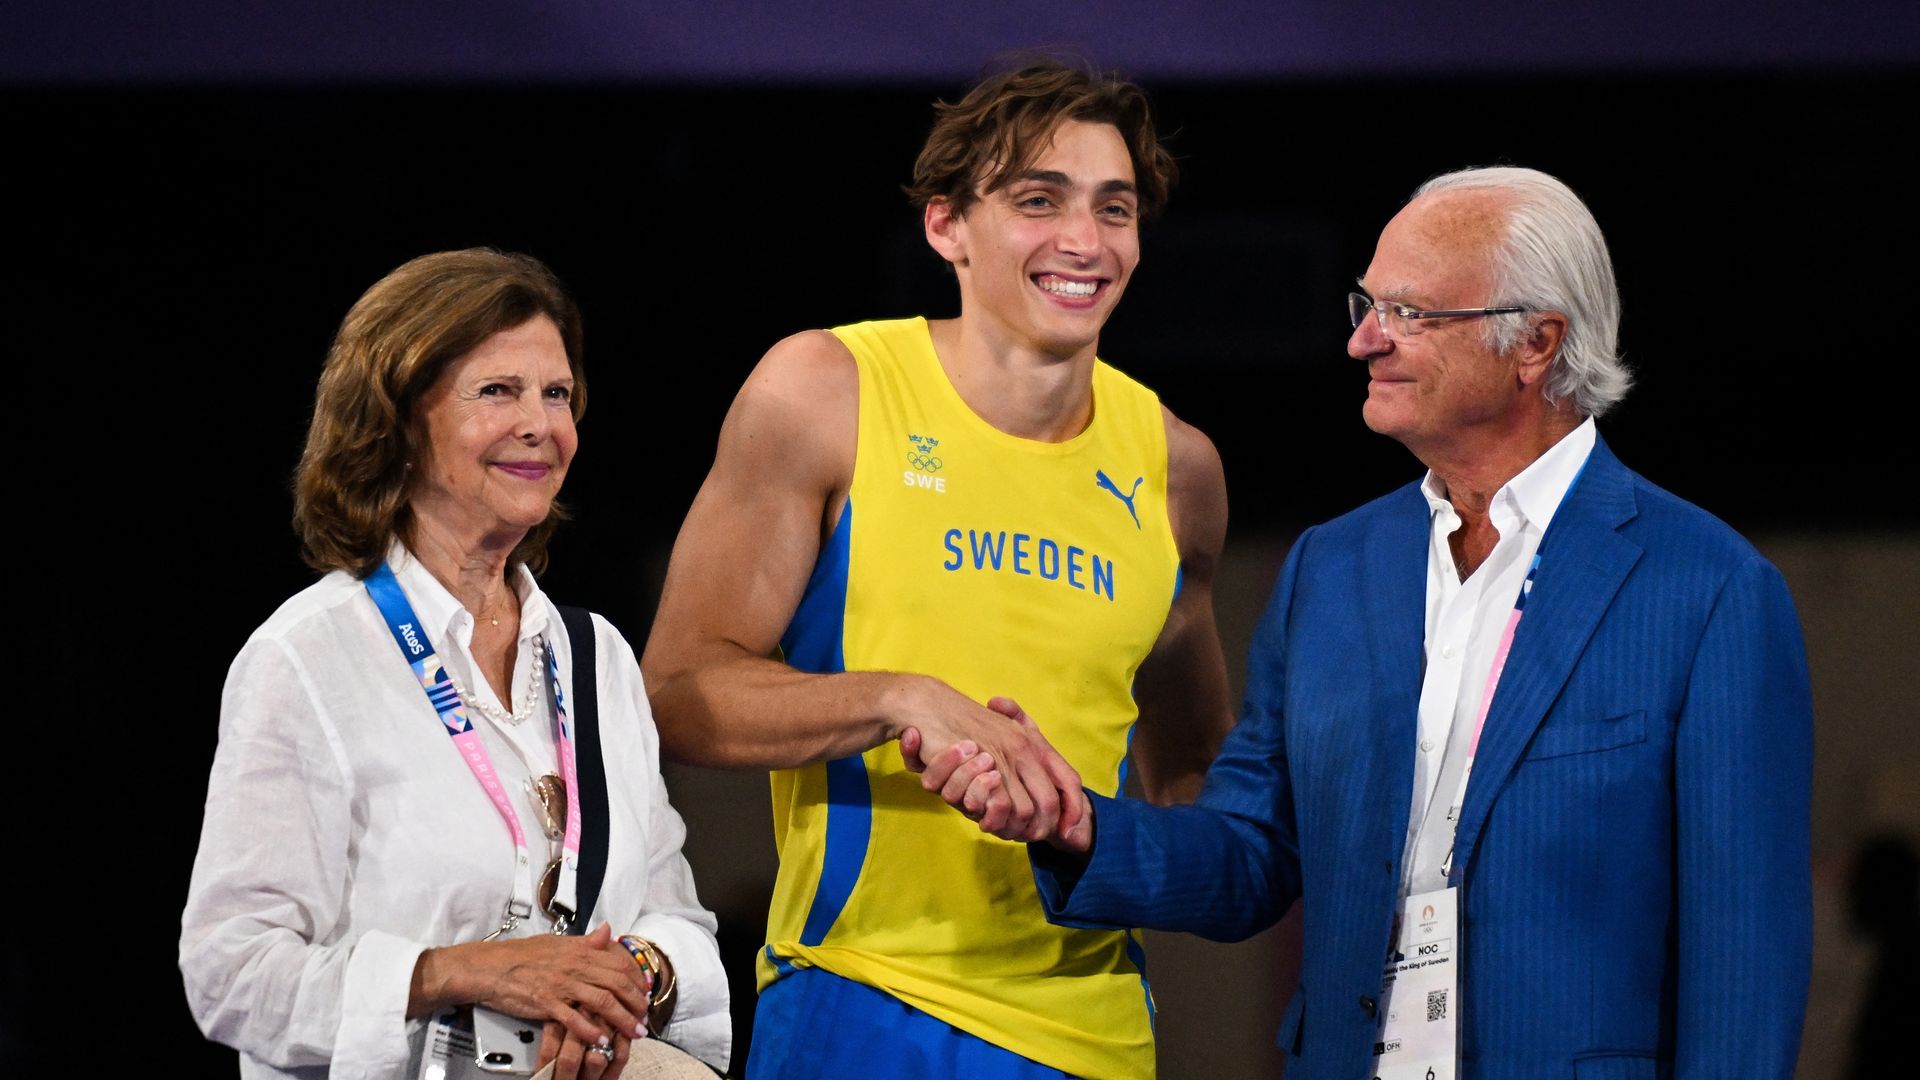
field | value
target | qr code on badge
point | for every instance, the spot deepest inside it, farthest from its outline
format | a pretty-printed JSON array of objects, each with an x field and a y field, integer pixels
[{"x": 1436, "y": 1005}]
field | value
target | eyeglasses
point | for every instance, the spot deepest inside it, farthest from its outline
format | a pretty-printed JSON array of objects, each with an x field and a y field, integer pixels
[
  {"x": 1401, "y": 321},
  {"x": 550, "y": 795}
]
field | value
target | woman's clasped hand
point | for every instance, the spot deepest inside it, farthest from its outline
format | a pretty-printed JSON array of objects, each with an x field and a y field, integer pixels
[{"x": 587, "y": 989}]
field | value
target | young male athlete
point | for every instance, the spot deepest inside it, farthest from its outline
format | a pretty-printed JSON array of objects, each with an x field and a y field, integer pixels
[{"x": 924, "y": 516}]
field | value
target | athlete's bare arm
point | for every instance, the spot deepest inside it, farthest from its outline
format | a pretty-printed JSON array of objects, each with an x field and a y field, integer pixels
[
  {"x": 780, "y": 477},
  {"x": 1181, "y": 688}
]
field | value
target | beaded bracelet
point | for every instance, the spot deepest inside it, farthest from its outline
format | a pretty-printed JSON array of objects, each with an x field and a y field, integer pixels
[
  {"x": 639, "y": 948},
  {"x": 660, "y": 996}
]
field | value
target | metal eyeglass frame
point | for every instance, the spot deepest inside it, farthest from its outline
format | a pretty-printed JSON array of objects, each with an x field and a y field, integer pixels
[{"x": 1359, "y": 302}]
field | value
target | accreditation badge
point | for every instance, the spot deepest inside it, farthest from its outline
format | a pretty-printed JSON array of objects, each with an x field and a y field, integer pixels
[
  {"x": 446, "y": 1052},
  {"x": 1419, "y": 992}
]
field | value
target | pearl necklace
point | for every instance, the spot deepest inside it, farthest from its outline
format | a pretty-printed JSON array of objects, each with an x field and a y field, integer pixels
[{"x": 536, "y": 684}]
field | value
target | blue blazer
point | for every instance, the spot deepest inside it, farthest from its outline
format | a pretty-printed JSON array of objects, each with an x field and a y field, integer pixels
[{"x": 1632, "y": 853}]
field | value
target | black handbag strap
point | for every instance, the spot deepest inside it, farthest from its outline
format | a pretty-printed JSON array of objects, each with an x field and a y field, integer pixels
[{"x": 590, "y": 764}]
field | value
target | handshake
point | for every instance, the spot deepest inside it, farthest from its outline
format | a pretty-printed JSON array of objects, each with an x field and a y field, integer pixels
[{"x": 1000, "y": 771}]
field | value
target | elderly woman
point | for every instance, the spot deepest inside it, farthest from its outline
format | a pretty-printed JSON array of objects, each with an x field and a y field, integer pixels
[{"x": 391, "y": 824}]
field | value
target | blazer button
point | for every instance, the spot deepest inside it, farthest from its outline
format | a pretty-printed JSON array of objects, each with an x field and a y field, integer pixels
[{"x": 1367, "y": 1005}]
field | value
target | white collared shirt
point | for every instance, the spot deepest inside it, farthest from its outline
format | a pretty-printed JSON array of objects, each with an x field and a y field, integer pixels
[
  {"x": 1464, "y": 624},
  {"x": 344, "y": 834}
]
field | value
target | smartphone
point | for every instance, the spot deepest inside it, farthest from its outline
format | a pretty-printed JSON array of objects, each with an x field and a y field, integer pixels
[{"x": 505, "y": 1045}]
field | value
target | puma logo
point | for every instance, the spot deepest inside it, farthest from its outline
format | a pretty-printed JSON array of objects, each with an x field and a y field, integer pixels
[{"x": 1100, "y": 478}]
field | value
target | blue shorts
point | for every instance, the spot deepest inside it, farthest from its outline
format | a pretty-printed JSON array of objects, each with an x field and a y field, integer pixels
[{"x": 814, "y": 1025}]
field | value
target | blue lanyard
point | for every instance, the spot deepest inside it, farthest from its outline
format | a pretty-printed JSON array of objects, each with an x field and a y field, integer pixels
[{"x": 418, "y": 651}]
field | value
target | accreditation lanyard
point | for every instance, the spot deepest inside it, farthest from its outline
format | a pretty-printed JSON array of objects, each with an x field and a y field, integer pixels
[
  {"x": 1494, "y": 672},
  {"x": 419, "y": 654}
]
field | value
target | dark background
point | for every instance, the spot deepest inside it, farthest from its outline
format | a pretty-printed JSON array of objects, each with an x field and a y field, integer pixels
[{"x": 189, "y": 246}]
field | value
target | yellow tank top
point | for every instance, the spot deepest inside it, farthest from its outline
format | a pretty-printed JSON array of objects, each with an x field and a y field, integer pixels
[{"x": 1041, "y": 571}]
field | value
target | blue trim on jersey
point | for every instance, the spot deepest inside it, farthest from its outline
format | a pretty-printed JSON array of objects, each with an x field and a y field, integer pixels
[
  {"x": 816, "y": 642},
  {"x": 780, "y": 963},
  {"x": 849, "y": 826},
  {"x": 1137, "y": 953}
]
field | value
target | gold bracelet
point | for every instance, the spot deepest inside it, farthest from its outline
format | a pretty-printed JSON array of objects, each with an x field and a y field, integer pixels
[{"x": 663, "y": 982}]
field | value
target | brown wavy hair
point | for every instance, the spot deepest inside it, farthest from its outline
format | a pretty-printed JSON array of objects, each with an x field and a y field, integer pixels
[
  {"x": 992, "y": 135},
  {"x": 352, "y": 489}
]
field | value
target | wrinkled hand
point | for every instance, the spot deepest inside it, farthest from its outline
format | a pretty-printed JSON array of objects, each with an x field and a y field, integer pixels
[
  {"x": 970, "y": 776},
  {"x": 576, "y": 1060},
  {"x": 588, "y": 985}
]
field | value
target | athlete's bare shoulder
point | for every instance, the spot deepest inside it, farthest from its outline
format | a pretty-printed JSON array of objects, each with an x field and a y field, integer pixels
[
  {"x": 811, "y": 368},
  {"x": 799, "y": 409},
  {"x": 1196, "y": 489}
]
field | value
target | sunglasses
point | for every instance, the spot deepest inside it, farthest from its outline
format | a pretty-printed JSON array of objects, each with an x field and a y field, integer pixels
[{"x": 550, "y": 795}]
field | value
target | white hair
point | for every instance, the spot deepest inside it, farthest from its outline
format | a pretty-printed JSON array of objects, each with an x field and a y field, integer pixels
[{"x": 1553, "y": 258}]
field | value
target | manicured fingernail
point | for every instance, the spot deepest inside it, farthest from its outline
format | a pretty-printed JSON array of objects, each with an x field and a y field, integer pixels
[
  {"x": 603, "y": 1042},
  {"x": 640, "y": 1030}
]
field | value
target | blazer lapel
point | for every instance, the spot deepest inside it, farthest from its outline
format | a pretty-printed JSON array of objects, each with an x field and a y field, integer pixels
[
  {"x": 1583, "y": 560},
  {"x": 1391, "y": 596}
]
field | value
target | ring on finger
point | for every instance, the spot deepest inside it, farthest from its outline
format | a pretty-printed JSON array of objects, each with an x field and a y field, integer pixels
[{"x": 604, "y": 1051}]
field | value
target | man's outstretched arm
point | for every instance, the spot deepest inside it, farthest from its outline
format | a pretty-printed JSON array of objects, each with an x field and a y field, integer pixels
[
  {"x": 740, "y": 566},
  {"x": 1224, "y": 868}
]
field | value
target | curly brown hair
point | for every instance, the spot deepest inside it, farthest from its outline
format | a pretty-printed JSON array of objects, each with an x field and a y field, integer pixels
[
  {"x": 352, "y": 488},
  {"x": 991, "y": 136}
]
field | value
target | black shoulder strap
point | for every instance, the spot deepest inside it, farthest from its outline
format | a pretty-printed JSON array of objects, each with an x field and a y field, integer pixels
[{"x": 584, "y": 711}]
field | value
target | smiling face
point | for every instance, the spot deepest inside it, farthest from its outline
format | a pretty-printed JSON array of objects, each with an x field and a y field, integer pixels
[
  {"x": 499, "y": 436},
  {"x": 1043, "y": 260},
  {"x": 1442, "y": 384}
]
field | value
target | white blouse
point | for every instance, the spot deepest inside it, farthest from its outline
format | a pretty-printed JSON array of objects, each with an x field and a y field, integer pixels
[{"x": 344, "y": 834}]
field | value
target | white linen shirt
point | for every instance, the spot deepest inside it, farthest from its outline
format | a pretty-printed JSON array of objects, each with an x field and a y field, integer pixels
[
  {"x": 1465, "y": 621},
  {"x": 344, "y": 834}
]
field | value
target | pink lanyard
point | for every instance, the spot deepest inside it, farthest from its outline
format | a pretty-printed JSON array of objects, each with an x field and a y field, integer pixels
[
  {"x": 1486, "y": 698},
  {"x": 1493, "y": 677},
  {"x": 419, "y": 654}
]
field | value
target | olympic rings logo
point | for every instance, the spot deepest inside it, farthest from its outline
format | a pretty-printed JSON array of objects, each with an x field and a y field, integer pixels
[{"x": 924, "y": 462}]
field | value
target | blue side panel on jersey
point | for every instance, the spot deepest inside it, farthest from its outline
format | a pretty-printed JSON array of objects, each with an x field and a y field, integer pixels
[
  {"x": 1138, "y": 955},
  {"x": 849, "y": 824},
  {"x": 814, "y": 639},
  {"x": 815, "y": 643}
]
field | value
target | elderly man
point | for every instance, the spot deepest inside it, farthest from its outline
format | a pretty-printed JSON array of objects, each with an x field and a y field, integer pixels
[{"x": 1529, "y": 739}]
